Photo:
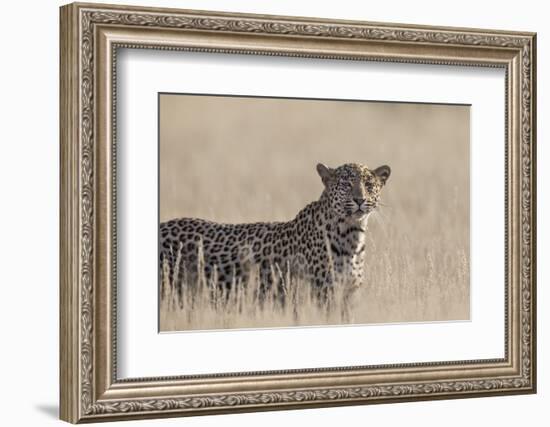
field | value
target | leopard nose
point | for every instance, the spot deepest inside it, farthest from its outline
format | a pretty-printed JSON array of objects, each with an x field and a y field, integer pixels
[{"x": 359, "y": 200}]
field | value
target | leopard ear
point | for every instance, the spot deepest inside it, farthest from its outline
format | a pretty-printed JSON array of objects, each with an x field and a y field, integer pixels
[
  {"x": 383, "y": 173},
  {"x": 325, "y": 173}
]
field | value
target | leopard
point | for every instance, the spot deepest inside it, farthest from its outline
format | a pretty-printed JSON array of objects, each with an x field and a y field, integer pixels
[{"x": 323, "y": 245}]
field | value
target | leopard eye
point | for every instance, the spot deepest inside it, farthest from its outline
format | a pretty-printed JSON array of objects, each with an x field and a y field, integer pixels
[{"x": 345, "y": 186}]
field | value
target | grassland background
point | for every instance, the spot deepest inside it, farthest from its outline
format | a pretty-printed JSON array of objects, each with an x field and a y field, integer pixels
[{"x": 232, "y": 159}]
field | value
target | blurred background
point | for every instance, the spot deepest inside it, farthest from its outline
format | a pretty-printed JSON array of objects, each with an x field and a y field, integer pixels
[{"x": 242, "y": 159}]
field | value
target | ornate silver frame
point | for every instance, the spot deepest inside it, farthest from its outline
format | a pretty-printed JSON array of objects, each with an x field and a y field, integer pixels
[{"x": 90, "y": 36}]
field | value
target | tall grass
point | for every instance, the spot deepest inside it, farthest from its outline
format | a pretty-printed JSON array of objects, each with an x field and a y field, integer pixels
[{"x": 199, "y": 303}]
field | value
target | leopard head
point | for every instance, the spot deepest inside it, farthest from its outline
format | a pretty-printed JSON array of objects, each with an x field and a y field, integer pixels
[{"x": 353, "y": 190}]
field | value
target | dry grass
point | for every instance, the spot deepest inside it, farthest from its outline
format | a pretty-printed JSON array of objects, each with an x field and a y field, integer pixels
[
  {"x": 203, "y": 305},
  {"x": 246, "y": 160}
]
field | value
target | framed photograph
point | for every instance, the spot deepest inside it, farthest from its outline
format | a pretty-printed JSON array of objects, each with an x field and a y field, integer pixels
[{"x": 265, "y": 212}]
